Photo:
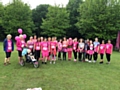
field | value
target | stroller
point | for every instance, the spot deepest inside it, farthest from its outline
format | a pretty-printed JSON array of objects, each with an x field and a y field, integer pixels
[{"x": 29, "y": 58}]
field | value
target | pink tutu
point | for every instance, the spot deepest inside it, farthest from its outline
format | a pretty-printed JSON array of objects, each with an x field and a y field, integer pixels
[{"x": 90, "y": 52}]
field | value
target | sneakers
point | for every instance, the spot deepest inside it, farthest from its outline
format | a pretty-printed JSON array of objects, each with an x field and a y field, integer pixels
[
  {"x": 75, "y": 60},
  {"x": 101, "y": 62},
  {"x": 108, "y": 63},
  {"x": 53, "y": 62},
  {"x": 89, "y": 61},
  {"x": 50, "y": 62},
  {"x": 5, "y": 64},
  {"x": 94, "y": 61}
]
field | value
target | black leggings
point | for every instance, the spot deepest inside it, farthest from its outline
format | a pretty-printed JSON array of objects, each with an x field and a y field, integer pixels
[
  {"x": 86, "y": 55},
  {"x": 37, "y": 54},
  {"x": 59, "y": 54},
  {"x": 81, "y": 56},
  {"x": 64, "y": 55},
  {"x": 75, "y": 54},
  {"x": 101, "y": 56},
  {"x": 108, "y": 56},
  {"x": 8, "y": 54},
  {"x": 95, "y": 55},
  {"x": 90, "y": 57}
]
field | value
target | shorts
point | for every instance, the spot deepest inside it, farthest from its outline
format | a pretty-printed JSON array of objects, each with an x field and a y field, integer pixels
[
  {"x": 20, "y": 53},
  {"x": 8, "y": 54},
  {"x": 45, "y": 54}
]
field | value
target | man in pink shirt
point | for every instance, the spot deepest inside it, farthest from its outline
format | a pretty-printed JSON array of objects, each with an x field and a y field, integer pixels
[{"x": 109, "y": 49}]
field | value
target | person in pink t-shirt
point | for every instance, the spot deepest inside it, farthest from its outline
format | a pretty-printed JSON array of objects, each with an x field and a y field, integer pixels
[
  {"x": 59, "y": 49},
  {"x": 8, "y": 48},
  {"x": 75, "y": 48},
  {"x": 108, "y": 51},
  {"x": 45, "y": 51},
  {"x": 49, "y": 42},
  {"x": 30, "y": 44},
  {"x": 70, "y": 49},
  {"x": 20, "y": 44},
  {"x": 53, "y": 51},
  {"x": 90, "y": 51},
  {"x": 37, "y": 48},
  {"x": 64, "y": 47},
  {"x": 102, "y": 48}
]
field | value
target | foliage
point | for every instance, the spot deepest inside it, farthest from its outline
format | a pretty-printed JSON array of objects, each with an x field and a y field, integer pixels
[{"x": 56, "y": 22}]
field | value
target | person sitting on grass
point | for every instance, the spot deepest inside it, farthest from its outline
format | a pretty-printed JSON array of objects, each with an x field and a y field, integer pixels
[{"x": 8, "y": 46}]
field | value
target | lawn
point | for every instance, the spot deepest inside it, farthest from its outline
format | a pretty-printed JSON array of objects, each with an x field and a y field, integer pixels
[{"x": 64, "y": 75}]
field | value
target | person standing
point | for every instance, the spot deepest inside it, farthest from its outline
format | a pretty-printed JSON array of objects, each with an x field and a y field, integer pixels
[
  {"x": 37, "y": 48},
  {"x": 70, "y": 49},
  {"x": 8, "y": 46},
  {"x": 75, "y": 48},
  {"x": 59, "y": 49},
  {"x": 96, "y": 49},
  {"x": 102, "y": 48},
  {"x": 64, "y": 47},
  {"x": 20, "y": 44},
  {"x": 109, "y": 49},
  {"x": 81, "y": 46}
]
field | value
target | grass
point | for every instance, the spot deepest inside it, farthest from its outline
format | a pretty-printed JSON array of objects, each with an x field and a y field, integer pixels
[{"x": 64, "y": 75}]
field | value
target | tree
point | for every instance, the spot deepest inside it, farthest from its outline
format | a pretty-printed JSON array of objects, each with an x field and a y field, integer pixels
[
  {"x": 1, "y": 21},
  {"x": 56, "y": 22},
  {"x": 72, "y": 8},
  {"x": 99, "y": 18},
  {"x": 37, "y": 14},
  {"x": 17, "y": 15}
]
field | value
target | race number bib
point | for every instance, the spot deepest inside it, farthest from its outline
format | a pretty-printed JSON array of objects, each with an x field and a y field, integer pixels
[
  {"x": 9, "y": 48},
  {"x": 53, "y": 46},
  {"x": 44, "y": 48},
  {"x": 22, "y": 45},
  {"x": 30, "y": 46},
  {"x": 64, "y": 45},
  {"x": 107, "y": 46},
  {"x": 37, "y": 48},
  {"x": 91, "y": 48},
  {"x": 101, "y": 47},
  {"x": 74, "y": 48}
]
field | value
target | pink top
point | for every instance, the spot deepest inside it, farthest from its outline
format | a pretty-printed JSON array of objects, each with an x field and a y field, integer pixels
[
  {"x": 59, "y": 46},
  {"x": 53, "y": 45},
  {"x": 44, "y": 46},
  {"x": 34, "y": 40},
  {"x": 91, "y": 47},
  {"x": 102, "y": 48},
  {"x": 109, "y": 48},
  {"x": 75, "y": 45},
  {"x": 9, "y": 48},
  {"x": 20, "y": 44},
  {"x": 37, "y": 46},
  {"x": 30, "y": 44},
  {"x": 64, "y": 45},
  {"x": 70, "y": 42}
]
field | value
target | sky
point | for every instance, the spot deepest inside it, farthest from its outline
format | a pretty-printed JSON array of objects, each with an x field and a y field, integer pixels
[{"x": 34, "y": 3}]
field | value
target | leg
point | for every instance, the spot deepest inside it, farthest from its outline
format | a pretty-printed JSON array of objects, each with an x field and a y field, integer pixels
[
  {"x": 108, "y": 57},
  {"x": 101, "y": 56},
  {"x": 79, "y": 55}
]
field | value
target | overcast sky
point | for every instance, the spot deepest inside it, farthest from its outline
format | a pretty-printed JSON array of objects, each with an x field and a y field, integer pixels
[{"x": 34, "y": 3}]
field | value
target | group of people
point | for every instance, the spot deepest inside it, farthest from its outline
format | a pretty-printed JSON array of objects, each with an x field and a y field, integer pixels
[{"x": 50, "y": 49}]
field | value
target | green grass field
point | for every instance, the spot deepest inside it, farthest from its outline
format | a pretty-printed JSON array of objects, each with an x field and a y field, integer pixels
[{"x": 64, "y": 75}]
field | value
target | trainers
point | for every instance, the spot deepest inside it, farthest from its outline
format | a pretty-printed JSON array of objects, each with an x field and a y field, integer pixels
[
  {"x": 101, "y": 62},
  {"x": 108, "y": 63},
  {"x": 94, "y": 61},
  {"x": 89, "y": 61},
  {"x": 53, "y": 62},
  {"x": 5, "y": 64},
  {"x": 86, "y": 60},
  {"x": 50, "y": 62}
]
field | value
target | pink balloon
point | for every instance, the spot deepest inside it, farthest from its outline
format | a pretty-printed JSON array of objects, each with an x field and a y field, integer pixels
[
  {"x": 17, "y": 38},
  {"x": 25, "y": 36},
  {"x": 20, "y": 31}
]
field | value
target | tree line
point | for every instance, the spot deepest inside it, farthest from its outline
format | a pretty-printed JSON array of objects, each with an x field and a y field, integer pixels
[{"x": 80, "y": 18}]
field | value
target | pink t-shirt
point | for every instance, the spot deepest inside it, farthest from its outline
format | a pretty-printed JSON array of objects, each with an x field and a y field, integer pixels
[
  {"x": 75, "y": 45},
  {"x": 37, "y": 45},
  {"x": 70, "y": 42},
  {"x": 109, "y": 48},
  {"x": 30, "y": 44},
  {"x": 64, "y": 45},
  {"x": 9, "y": 48},
  {"x": 102, "y": 48},
  {"x": 59, "y": 46},
  {"x": 20, "y": 44},
  {"x": 91, "y": 47},
  {"x": 44, "y": 46},
  {"x": 53, "y": 45}
]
